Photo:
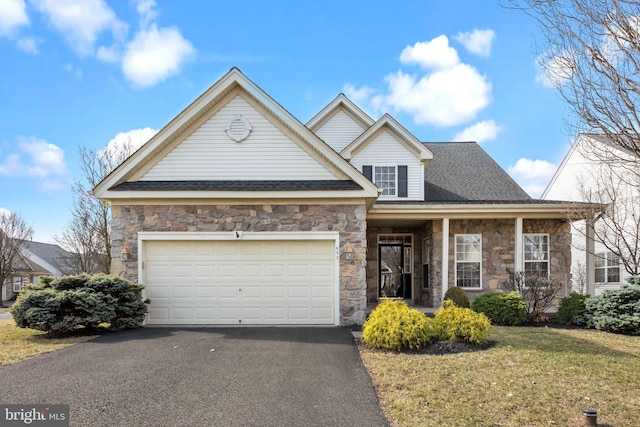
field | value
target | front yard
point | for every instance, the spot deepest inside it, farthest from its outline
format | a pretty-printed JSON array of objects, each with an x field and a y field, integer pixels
[
  {"x": 17, "y": 344},
  {"x": 531, "y": 376}
]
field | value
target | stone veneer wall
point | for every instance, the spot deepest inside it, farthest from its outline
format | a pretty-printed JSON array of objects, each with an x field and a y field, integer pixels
[
  {"x": 498, "y": 250},
  {"x": 348, "y": 220}
]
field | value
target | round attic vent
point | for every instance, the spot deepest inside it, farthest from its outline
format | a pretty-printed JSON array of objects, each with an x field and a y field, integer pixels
[{"x": 238, "y": 128}]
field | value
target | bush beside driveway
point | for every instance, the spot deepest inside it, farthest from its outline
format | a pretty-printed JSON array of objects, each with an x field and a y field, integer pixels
[{"x": 203, "y": 376}]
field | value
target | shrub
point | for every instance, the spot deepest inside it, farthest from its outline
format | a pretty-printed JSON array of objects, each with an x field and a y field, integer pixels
[
  {"x": 537, "y": 292},
  {"x": 455, "y": 323},
  {"x": 458, "y": 296},
  {"x": 67, "y": 303},
  {"x": 506, "y": 309},
  {"x": 572, "y": 309},
  {"x": 393, "y": 325},
  {"x": 616, "y": 311}
]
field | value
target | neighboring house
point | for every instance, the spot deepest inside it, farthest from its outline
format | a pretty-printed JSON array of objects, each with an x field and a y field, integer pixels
[
  {"x": 582, "y": 177},
  {"x": 34, "y": 260},
  {"x": 237, "y": 213}
]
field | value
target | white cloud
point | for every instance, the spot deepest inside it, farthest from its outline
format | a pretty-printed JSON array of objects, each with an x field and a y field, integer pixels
[
  {"x": 27, "y": 44},
  {"x": 554, "y": 71},
  {"x": 477, "y": 41},
  {"x": 129, "y": 141},
  {"x": 4, "y": 211},
  {"x": 36, "y": 158},
  {"x": 434, "y": 54},
  {"x": 358, "y": 95},
  {"x": 146, "y": 10},
  {"x": 532, "y": 175},
  {"x": 442, "y": 98},
  {"x": 13, "y": 15},
  {"x": 81, "y": 21},
  {"x": 155, "y": 54},
  {"x": 480, "y": 132},
  {"x": 109, "y": 54}
]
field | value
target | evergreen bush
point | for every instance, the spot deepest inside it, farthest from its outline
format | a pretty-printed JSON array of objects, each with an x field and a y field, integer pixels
[
  {"x": 393, "y": 325},
  {"x": 572, "y": 309},
  {"x": 507, "y": 309},
  {"x": 67, "y": 303},
  {"x": 453, "y": 323},
  {"x": 458, "y": 296},
  {"x": 616, "y": 311}
]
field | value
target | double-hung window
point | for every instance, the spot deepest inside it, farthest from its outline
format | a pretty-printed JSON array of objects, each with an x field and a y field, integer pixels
[
  {"x": 392, "y": 179},
  {"x": 17, "y": 283},
  {"x": 468, "y": 256},
  {"x": 607, "y": 268},
  {"x": 536, "y": 255}
]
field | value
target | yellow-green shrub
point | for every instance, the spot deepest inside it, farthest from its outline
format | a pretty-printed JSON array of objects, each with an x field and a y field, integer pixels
[
  {"x": 393, "y": 325},
  {"x": 454, "y": 323}
]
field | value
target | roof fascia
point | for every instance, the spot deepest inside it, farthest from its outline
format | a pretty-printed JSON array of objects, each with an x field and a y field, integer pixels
[
  {"x": 418, "y": 149},
  {"x": 340, "y": 101},
  {"x": 230, "y": 80}
]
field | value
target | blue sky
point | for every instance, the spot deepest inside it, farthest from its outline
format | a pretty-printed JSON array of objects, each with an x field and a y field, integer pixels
[{"x": 90, "y": 72}]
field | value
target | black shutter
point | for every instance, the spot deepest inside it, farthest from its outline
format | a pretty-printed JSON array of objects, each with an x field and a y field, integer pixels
[
  {"x": 367, "y": 171},
  {"x": 402, "y": 181}
]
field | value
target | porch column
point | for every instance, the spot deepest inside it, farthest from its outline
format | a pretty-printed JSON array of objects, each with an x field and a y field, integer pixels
[
  {"x": 445, "y": 257},
  {"x": 517, "y": 253},
  {"x": 590, "y": 262}
]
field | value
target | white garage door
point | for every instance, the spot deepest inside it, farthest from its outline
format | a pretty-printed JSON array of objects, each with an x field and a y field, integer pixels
[{"x": 241, "y": 282}]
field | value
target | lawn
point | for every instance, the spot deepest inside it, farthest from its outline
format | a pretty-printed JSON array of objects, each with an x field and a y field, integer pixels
[
  {"x": 531, "y": 376},
  {"x": 17, "y": 344}
]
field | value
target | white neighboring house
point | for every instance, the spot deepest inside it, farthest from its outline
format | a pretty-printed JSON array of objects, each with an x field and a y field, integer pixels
[
  {"x": 36, "y": 259},
  {"x": 581, "y": 177}
]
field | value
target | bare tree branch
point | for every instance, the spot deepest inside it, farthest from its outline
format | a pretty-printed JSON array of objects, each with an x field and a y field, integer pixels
[{"x": 13, "y": 232}]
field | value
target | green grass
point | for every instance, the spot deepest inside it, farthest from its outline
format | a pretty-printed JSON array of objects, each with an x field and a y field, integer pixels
[
  {"x": 17, "y": 344},
  {"x": 531, "y": 376}
]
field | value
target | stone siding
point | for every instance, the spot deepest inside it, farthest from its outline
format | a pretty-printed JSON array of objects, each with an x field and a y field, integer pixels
[{"x": 348, "y": 220}]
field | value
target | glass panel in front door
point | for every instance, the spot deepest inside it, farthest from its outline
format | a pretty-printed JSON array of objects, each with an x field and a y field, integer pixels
[{"x": 394, "y": 273}]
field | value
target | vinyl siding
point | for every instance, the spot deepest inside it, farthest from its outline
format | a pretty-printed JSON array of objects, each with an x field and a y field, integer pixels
[
  {"x": 209, "y": 154},
  {"x": 386, "y": 150},
  {"x": 340, "y": 131}
]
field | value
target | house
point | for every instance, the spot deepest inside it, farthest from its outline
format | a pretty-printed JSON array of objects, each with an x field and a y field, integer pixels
[
  {"x": 585, "y": 177},
  {"x": 35, "y": 259},
  {"x": 237, "y": 213}
]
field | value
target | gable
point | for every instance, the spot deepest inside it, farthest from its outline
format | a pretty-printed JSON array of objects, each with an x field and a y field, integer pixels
[
  {"x": 208, "y": 153},
  {"x": 340, "y": 130}
]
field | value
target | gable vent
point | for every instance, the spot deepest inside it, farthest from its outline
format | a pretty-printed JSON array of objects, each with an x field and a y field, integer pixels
[{"x": 238, "y": 128}]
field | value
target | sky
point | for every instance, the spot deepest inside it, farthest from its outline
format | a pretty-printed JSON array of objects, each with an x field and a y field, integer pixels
[{"x": 96, "y": 72}]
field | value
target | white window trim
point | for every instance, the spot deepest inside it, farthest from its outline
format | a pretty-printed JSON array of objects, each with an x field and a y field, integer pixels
[
  {"x": 373, "y": 179},
  {"x": 524, "y": 252},
  {"x": 605, "y": 256},
  {"x": 14, "y": 282},
  {"x": 455, "y": 260}
]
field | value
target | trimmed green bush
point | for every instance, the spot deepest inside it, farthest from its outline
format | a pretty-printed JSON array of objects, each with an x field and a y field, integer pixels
[
  {"x": 458, "y": 296},
  {"x": 393, "y": 325},
  {"x": 507, "y": 309},
  {"x": 616, "y": 311},
  {"x": 453, "y": 323},
  {"x": 67, "y": 303},
  {"x": 572, "y": 309}
]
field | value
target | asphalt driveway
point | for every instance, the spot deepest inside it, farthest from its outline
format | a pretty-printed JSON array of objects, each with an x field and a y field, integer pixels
[{"x": 203, "y": 377}]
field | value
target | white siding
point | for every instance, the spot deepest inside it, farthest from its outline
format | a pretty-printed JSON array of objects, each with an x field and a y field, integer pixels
[
  {"x": 209, "y": 154},
  {"x": 340, "y": 131},
  {"x": 386, "y": 150}
]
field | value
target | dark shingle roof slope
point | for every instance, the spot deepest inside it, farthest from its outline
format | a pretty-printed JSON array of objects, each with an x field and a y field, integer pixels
[
  {"x": 464, "y": 172},
  {"x": 300, "y": 185},
  {"x": 50, "y": 253}
]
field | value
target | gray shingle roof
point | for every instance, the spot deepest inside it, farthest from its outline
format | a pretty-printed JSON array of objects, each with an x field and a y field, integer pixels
[
  {"x": 464, "y": 172},
  {"x": 50, "y": 253},
  {"x": 312, "y": 185}
]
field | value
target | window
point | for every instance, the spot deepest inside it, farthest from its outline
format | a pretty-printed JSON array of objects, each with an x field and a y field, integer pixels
[
  {"x": 536, "y": 255},
  {"x": 607, "y": 267},
  {"x": 468, "y": 260},
  {"x": 385, "y": 177},
  {"x": 17, "y": 283}
]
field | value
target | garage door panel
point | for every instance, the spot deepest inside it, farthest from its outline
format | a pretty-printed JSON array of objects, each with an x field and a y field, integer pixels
[{"x": 241, "y": 282}]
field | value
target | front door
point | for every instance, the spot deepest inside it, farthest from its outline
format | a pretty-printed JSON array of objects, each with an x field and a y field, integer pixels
[{"x": 394, "y": 270}]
